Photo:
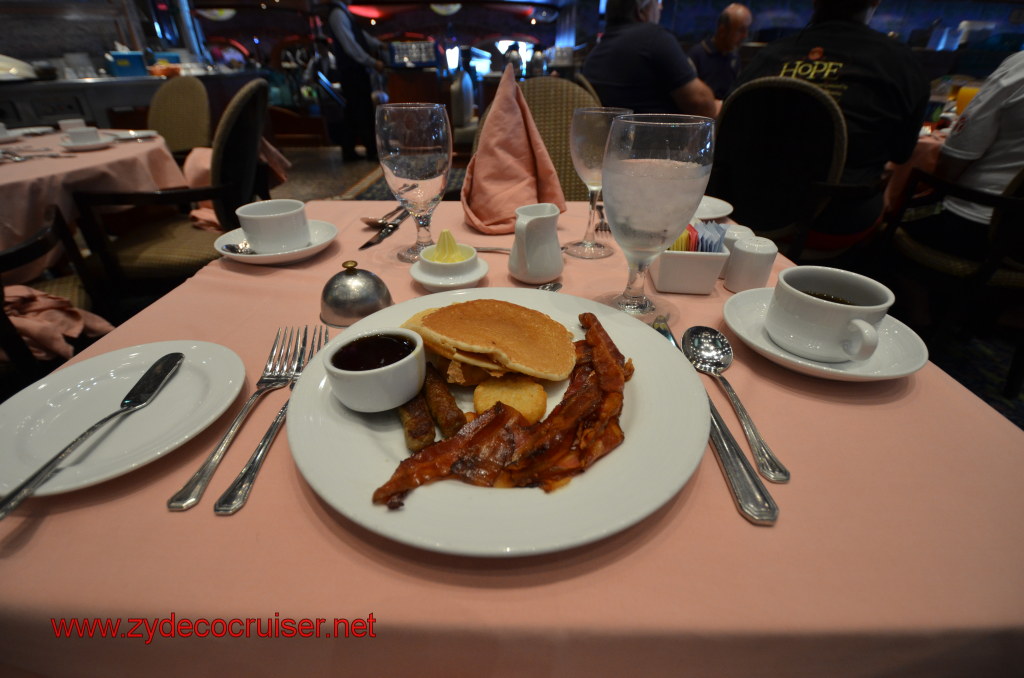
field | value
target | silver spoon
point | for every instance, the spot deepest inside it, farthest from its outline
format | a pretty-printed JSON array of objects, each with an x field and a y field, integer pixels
[
  {"x": 550, "y": 287},
  {"x": 241, "y": 248},
  {"x": 711, "y": 353},
  {"x": 383, "y": 221}
]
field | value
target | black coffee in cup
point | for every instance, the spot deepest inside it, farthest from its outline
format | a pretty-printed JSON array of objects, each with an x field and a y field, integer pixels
[{"x": 825, "y": 296}]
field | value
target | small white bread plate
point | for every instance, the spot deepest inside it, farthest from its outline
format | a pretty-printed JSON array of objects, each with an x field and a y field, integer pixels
[
  {"x": 437, "y": 283},
  {"x": 712, "y": 208},
  {"x": 900, "y": 351},
  {"x": 105, "y": 141},
  {"x": 40, "y": 420},
  {"x": 345, "y": 456},
  {"x": 321, "y": 235}
]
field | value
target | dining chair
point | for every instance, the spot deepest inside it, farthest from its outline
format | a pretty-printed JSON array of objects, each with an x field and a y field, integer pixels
[
  {"x": 161, "y": 249},
  {"x": 70, "y": 278},
  {"x": 780, "y": 150},
  {"x": 969, "y": 295},
  {"x": 552, "y": 101},
  {"x": 180, "y": 112}
]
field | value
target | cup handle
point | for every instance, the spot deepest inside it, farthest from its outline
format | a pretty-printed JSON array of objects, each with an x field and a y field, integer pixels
[{"x": 863, "y": 342}]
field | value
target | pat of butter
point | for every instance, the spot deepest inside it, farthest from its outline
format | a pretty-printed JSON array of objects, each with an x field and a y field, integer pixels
[{"x": 447, "y": 251}]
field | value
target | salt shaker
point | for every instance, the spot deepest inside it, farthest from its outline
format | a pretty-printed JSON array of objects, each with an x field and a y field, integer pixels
[
  {"x": 733, "y": 234},
  {"x": 750, "y": 264}
]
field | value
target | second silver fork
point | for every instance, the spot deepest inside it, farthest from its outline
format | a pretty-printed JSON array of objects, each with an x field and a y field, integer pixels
[
  {"x": 277, "y": 373},
  {"x": 237, "y": 494}
]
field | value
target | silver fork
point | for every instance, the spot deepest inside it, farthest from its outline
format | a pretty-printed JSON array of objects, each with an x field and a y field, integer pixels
[
  {"x": 277, "y": 373},
  {"x": 237, "y": 494}
]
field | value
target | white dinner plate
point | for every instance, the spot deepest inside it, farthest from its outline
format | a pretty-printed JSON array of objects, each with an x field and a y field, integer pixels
[
  {"x": 105, "y": 141},
  {"x": 133, "y": 134},
  {"x": 345, "y": 456},
  {"x": 900, "y": 351},
  {"x": 321, "y": 235},
  {"x": 710, "y": 209},
  {"x": 40, "y": 420},
  {"x": 444, "y": 283}
]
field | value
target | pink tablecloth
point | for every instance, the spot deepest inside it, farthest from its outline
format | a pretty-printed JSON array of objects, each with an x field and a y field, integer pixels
[
  {"x": 898, "y": 551},
  {"x": 28, "y": 189}
]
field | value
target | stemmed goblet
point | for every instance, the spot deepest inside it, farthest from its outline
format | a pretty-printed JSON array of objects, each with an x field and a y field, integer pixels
[
  {"x": 588, "y": 136},
  {"x": 414, "y": 143},
  {"x": 656, "y": 168}
]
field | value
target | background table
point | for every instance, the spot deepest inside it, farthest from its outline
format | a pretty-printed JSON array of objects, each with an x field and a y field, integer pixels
[
  {"x": 28, "y": 189},
  {"x": 898, "y": 550}
]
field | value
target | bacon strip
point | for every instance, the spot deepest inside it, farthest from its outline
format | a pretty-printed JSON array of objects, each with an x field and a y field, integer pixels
[{"x": 498, "y": 449}]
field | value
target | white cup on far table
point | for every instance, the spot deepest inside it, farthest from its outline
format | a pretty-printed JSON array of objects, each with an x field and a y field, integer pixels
[
  {"x": 827, "y": 314},
  {"x": 84, "y": 135},
  {"x": 274, "y": 225},
  {"x": 70, "y": 124}
]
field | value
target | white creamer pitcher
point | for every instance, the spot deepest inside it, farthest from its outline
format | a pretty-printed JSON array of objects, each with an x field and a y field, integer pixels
[{"x": 536, "y": 255}]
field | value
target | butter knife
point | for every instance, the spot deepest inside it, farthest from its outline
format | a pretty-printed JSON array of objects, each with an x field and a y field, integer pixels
[
  {"x": 140, "y": 396},
  {"x": 749, "y": 493},
  {"x": 386, "y": 230}
]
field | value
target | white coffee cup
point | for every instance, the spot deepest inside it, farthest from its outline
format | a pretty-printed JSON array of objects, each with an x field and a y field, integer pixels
[
  {"x": 70, "y": 124},
  {"x": 377, "y": 389},
  {"x": 827, "y": 314},
  {"x": 274, "y": 225},
  {"x": 84, "y": 135}
]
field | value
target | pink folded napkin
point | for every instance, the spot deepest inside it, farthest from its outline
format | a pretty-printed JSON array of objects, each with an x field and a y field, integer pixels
[
  {"x": 511, "y": 166},
  {"x": 46, "y": 322}
]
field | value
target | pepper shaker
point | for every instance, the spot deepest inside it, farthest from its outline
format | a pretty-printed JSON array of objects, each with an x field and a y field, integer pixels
[{"x": 750, "y": 264}]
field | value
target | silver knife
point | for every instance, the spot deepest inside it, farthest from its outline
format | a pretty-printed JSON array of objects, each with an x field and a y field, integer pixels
[
  {"x": 140, "y": 395},
  {"x": 749, "y": 493},
  {"x": 386, "y": 230}
]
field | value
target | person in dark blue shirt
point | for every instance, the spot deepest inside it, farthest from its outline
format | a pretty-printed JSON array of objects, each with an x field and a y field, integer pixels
[
  {"x": 717, "y": 59},
  {"x": 640, "y": 65}
]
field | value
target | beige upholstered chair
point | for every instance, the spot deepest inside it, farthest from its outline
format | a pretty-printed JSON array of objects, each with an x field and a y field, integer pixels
[
  {"x": 552, "y": 101},
  {"x": 159, "y": 253},
  {"x": 180, "y": 112}
]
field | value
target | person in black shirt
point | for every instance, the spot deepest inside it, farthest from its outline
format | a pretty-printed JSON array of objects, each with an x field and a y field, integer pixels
[
  {"x": 880, "y": 88},
  {"x": 640, "y": 65},
  {"x": 717, "y": 59},
  {"x": 357, "y": 54}
]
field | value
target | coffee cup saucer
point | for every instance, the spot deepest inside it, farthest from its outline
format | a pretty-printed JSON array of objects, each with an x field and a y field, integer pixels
[
  {"x": 104, "y": 141},
  {"x": 442, "y": 283},
  {"x": 321, "y": 234},
  {"x": 900, "y": 350}
]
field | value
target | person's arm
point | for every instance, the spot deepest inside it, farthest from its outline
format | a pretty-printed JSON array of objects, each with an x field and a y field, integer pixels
[
  {"x": 696, "y": 98},
  {"x": 342, "y": 29},
  {"x": 950, "y": 168}
]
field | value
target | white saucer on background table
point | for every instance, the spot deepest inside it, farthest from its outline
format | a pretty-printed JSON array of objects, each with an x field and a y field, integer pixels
[
  {"x": 710, "y": 209},
  {"x": 10, "y": 137},
  {"x": 133, "y": 134},
  {"x": 321, "y": 235},
  {"x": 34, "y": 131},
  {"x": 105, "y": 141},
  {"x": 435, "y": 283},
  {"x": 39, "y": 421},
  {"x": 900, "y": 351}
]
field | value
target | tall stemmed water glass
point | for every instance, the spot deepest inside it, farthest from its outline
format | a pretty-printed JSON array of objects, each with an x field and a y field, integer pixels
[
  {"x": 588, "y": 136},
  {"x": 656, "y": 167},
  {"x": 414, "y": 143}
]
